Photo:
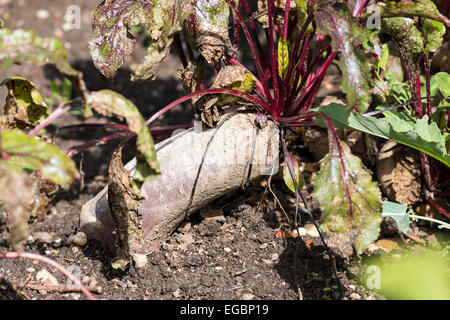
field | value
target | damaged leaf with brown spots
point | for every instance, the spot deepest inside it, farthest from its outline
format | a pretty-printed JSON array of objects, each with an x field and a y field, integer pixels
[
  {"x": 360, "y": 226},
  {"x": 111, "y": 41},
  {"x": 24, "y": 106},
  {"x": 110, "y": 103},
  {"x": 207, "y": 30}
]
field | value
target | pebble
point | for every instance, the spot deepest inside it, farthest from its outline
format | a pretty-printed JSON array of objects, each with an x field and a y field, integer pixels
[
  {"x": 219, "y": 268},
  {"x": 355, "y": 296},
  {"x": 43, "y": 236},
  {"x": 247, "y": 296},
  {"x": 177, "y": 293},
  {"x": 45, "y": 277},
  {"x": 184, "y": 227},
  {"x": 186, "y": 238},
  {"x": 311, "y": 230},
  {"x": 42, "y": 14},
  {"x": 140, "y": 260},
  {"x": 74, "y": 250},
  {"x": 58, "y": 33},
  {"x": 226, "y": 249},
  {"x": 66, "y": 26},
  {"x": 274, "y": 256},
  {"x": 301, "y": 231},
  {"x": 30, "y": 270},
  {"x": 79, "y": 239}
]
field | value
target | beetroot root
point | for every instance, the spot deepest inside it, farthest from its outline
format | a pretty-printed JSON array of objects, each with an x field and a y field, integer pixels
[{"x": 197, "y": 166}]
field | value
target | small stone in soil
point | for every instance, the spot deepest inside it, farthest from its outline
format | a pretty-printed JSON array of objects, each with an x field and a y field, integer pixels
[
  {"x": 46, "y": 278},
  {"x": 43, "y": 236},
  {"x": 311, "y": 230},
  {"x": 247, "y": 296},
  {"x": 140, "y": 260},
  {"x": 42, "y": 14},
  {"x": 301, "y": 231},
  {"x": 79, "y": 239}
]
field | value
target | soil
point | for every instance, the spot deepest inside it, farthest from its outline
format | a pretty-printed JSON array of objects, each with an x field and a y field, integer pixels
[{"x": 229, "y": 250}]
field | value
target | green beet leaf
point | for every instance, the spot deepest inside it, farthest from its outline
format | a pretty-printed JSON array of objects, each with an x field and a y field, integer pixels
[
  {"x": 361, "y": 226},
  {"x": 30, "y": 152},
  {"x": 397, "y": 126},
  {"x": 20, "y": 46},
  {"x": 442, "y": 81}
]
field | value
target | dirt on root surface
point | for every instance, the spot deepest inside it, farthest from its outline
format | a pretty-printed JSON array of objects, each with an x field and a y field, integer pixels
[{"x": 239, "y": 247}]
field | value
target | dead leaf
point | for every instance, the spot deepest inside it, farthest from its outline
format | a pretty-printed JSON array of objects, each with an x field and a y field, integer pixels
[{"x": 123, "y": 204}]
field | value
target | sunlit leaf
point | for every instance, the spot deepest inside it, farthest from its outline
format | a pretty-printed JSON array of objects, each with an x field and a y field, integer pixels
[
  {"x": 419, "y": 135},
  {"x": 30, "y": 152},
  {"x": 398, "y": 212},
  {"x": 362, "y": 226},
  {"x": 283, "y": 57},
  {"x": 20, "y": 46},
  {"x": 110, "y": 103},
  {"x": 442, "y": 82}
]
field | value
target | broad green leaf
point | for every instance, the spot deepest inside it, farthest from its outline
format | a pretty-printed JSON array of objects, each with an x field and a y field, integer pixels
[
  {"x": 110, "y": 42},
  {"x": 283, "y": 57},
  {"x": 23, "y": 104},
  {"x": 420, "y": 135},
  {"x": 442, "y": 81},
  {"x": 110, "y": 103},
  {"x": 295, "y": 166},
  {"x": 30, "y": 152},
  {"x": 347, "y": 35},
  {"x": 20, "y": 46},
  {"x": 398, "y": 212},
  {"x": 362, "y": 226}
]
